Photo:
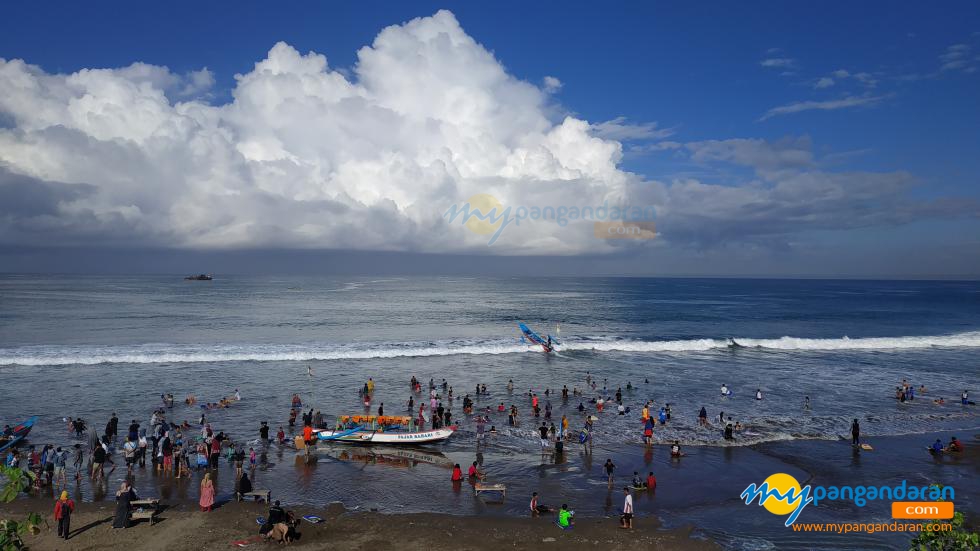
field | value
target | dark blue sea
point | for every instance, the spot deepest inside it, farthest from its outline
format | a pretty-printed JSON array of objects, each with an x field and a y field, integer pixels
[{"x": 89, "y": 346}]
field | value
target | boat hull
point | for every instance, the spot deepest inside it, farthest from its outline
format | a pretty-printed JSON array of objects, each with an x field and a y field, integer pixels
[
  {"x": 393, "y": 437},
  {"x": 20, "y": 432}
]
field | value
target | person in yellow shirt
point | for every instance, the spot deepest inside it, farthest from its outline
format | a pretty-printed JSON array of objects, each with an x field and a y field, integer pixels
[
  {"x": 370, "y": 385},
  {"x": 646, "y": 412}
]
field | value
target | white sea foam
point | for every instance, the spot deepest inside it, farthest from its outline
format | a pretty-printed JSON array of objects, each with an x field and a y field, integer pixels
[{"x": 172, "y": 353}]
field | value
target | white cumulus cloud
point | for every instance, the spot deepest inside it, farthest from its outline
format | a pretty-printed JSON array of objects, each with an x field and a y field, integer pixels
[{"x": 306, "y": 155}]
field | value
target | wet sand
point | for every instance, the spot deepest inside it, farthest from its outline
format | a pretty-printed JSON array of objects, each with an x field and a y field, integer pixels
[{"x": 182, "y": 526}]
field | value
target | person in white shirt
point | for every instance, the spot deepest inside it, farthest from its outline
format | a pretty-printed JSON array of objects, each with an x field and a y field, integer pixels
[{"x": 626, "y": 521}]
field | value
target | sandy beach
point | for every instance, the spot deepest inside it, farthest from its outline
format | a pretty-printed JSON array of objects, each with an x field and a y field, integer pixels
[{"x": 181, "y": 526}]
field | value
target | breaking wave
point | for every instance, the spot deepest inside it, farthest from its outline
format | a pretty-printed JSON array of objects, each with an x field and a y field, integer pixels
[{"x": 182, "y": 353}]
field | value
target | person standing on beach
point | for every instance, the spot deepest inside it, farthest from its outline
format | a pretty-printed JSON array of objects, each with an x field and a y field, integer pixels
[
  {"x": 60, "y": 461},
  {"x": 78, "y": 461},
  {"x": 648, "y": 432},
  {"x": 610, "y": 467},
  {"x": 703, "y": 417},
  {"x": 129, "y": 452},
  {"x": 855, "y": 433},
  {"x": 215, "y": 453},
  {"x": 63, "y": 508},
  {"x": 475, "y": 473},
  {"x": 98, "y": 459},
  {"x": 627, "y": 520},
  {"x": 543, "y": 430},
  {"x": 112, "y": 429},
  {"x": 207, "y": 493}
]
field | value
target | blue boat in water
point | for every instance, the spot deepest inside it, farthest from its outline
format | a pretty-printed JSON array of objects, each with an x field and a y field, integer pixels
[{"x": 18, "y": 434}]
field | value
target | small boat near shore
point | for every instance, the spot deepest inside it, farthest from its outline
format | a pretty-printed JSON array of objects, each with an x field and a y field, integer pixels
[
  {"x": 18, "y": 434},
  {"x": 199, "y": 277},
  {"x": 359, "y": 435},
  {"x": 373, "y": 429}
]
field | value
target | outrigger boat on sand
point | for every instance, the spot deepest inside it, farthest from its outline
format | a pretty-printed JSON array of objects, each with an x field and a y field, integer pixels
[{"x": 372, "y": 429}]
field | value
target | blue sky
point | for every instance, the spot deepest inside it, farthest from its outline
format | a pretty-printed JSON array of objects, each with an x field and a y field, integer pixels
[{"x": 676, "y": 73}]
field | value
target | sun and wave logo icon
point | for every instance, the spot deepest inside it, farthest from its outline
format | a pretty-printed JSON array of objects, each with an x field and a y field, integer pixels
[{"x": 780, "y": 494}]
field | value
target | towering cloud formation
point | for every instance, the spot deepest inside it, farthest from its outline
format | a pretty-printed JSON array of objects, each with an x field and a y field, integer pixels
[
  {"x": 306, "y": 157},
  {"x": 302, "y": 156}
]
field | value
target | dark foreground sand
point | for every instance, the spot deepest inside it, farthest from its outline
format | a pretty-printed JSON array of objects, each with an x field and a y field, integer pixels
[{"x": 181, "y": 526}]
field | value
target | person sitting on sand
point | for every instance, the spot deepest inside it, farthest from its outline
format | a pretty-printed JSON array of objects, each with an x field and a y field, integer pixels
[
  {"x": 565, "y": 516},
  {"x": 244, "y": 486},
  {"x": 276, "y": 516},
  {"x": 954, "y": 445},
  {"x": 537, "y": 508}
]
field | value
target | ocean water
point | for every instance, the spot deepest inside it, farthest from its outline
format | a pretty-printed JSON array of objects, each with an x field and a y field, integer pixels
[{"x": 89, "y": 346}]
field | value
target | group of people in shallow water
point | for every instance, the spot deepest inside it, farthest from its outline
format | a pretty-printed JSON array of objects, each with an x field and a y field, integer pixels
[
  {"x": 906, "y": 393},
  {"x": 167, "y": 447},
  {"x": 171, "y": 446}
]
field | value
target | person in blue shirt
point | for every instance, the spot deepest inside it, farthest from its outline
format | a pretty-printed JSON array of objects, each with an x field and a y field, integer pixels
[{"x": 937, "y": 446}]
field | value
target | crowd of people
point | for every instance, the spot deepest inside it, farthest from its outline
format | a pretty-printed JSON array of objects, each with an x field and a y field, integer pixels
[{"x": 175, "y": 450}]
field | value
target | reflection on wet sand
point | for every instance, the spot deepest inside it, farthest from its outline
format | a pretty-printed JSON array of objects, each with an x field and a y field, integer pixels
[{"x": 385, "y": 455}]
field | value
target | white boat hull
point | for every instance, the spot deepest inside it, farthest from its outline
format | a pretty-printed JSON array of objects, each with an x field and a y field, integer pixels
[{"x": 394, "y": 437}]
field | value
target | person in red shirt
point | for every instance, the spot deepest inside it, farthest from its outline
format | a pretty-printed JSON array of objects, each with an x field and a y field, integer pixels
[
  {"x": 308, "y": 435},
  {"x": 651, "y": 482},
  {"x": 475, "y": 473},
  {"x": 457, "y": 473},
  {"x": 63, "y": 509},
  {"x": 537, "y": 508}
]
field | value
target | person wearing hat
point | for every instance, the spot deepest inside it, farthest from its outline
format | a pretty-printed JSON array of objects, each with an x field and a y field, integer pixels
[{"x": 63, "y": 509}]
